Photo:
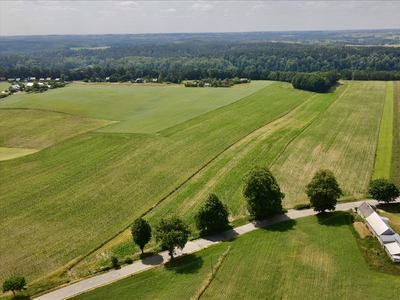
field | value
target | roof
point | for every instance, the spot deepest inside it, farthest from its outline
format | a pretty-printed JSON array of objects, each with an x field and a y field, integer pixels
[
  {"x": 378, "y": 225},
  {"x": 393, "y": 248},
  {"x": 365, "y": 209}
]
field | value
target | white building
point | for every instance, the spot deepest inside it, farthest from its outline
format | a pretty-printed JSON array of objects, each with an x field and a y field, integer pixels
[{"x": 389, "y": 239}]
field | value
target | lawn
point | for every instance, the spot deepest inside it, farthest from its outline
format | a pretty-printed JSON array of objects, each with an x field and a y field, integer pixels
[
  {"x": 68, "y": 199},
  {"x": 140, "y": 108},
  {"x": 310, "y": 258}
]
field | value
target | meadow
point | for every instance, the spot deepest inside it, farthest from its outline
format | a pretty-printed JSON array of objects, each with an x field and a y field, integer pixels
[
  {"x": 140, "y": 108},
  {"x": 310, "y": 258},
  {"x": 67, "y": 200}
]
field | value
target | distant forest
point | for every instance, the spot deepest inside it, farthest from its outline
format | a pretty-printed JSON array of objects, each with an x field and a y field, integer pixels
[{"x": 177, "y": 57}]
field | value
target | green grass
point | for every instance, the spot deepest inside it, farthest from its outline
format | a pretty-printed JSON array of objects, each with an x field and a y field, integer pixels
[
  {"x": 177, "y": 281},
  {"x": 310, "y": 258},
  {"x": 342, "y": 139},
  {"x": 224, "y": 175},
  {"x": 68, "y": 199},
  {"x": 383, "y": 160},
  {"x": 141, "y": 108},
  {"x": 395, "y": 166},
  {"x": 39, "y": 129}
]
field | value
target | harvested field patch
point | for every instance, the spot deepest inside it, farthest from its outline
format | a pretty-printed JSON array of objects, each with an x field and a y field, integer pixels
[
  {"x": 362, "y": 229},
  {"x": 11, "y": 153}
]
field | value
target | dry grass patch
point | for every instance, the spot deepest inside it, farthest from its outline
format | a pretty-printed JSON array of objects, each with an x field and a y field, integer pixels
[{"x": 362, "y": 229}]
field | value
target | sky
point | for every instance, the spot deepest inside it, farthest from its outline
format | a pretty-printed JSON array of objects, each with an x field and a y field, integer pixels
[{"x": 37, "y": 17}]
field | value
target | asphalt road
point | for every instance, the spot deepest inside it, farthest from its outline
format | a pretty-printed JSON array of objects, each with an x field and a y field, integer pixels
[{"x": 192, "y": 246}]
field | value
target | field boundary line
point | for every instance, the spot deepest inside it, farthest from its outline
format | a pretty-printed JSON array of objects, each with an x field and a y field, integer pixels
[
  {"x": 211, "y": 276},
  {"x": 306, "y": 127}
]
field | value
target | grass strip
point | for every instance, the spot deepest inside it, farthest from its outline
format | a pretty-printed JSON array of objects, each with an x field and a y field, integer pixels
[
  {"x": 211, "y": 276},
  {"x": 383, "y": 158},
  {"x": 395, "y": 166}
]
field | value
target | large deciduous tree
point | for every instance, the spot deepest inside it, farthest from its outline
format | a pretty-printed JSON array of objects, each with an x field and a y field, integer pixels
[
  {"x": 212, "y": 216},
  {"x": 262, "y": 192},
  {"x": 323, "y": 191},
  {"x": 141, "y": 232},
  {"x": 16, "y": 283},
  {"x": 382, "y": 189},
  {"x": 171, "y": 233}
]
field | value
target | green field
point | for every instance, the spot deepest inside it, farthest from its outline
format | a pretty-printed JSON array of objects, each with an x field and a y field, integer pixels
[
  {"x": 310, "y": 258},
  {"x": 140, "y": 108},
  {"x": 383, "y": 161},
  {"x": 66, "y": 200}
]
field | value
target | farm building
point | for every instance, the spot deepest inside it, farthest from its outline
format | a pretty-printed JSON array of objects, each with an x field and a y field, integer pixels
[{"x": 389, "y": 239}]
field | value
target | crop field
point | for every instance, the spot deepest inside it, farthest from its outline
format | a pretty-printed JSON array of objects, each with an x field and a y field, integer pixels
[
  {"x": 93, "y": 185},
  {"x": 140, "y": 108},
  {"x": 343, "y": 139},
  {"x": 310, "y": 258},
  {"x": 316, "y": 134},
  {"x": 85, "y": 187}
]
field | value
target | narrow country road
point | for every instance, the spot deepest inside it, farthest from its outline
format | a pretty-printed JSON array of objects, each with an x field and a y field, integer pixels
[{"x": 192, "y": 246}]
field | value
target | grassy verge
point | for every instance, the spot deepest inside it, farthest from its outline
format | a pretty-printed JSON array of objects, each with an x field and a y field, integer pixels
[{"x": 383, "y": 159}]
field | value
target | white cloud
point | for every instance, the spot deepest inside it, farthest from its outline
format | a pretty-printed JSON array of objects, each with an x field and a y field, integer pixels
[
  {"x": 107, "y": 13},
  {"x": 57, "y": 8},
  {"x": 169, "y": 10},
  {"x": 202, "y": 7},
  {"x": 257, "y": 7}
]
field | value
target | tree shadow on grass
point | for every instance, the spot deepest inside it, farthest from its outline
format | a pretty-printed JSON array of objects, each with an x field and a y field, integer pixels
[
  {"x": 21, "y": 297},
  {"x": 285, "y": 224},
  {"x": 336, "y": 218},
  {"x": 389, "y": 207},
  {"x": 185, "y": 264}
]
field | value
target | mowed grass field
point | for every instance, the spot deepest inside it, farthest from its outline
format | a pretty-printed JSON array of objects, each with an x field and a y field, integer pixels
[
  {"x": 310, "y": 258},
  {"x": 140, "y": 108},
  {"x": 68, "y": 199}
]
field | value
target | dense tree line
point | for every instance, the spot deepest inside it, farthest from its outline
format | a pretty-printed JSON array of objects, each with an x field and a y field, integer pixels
[{"x": 196, "y": 60}]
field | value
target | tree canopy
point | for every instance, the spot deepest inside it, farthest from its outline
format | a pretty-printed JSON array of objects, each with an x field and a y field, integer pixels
[
  {"x": 382, "y": 189},
  {"x": 16, "y": 283},
  {"x": 212, "y": 216},
  {"x": 262, "y": 192},
  {"x": 171, "y": 233},
  {"x": 323, "y": 191},
  {"x": 141, "y": 232}
]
